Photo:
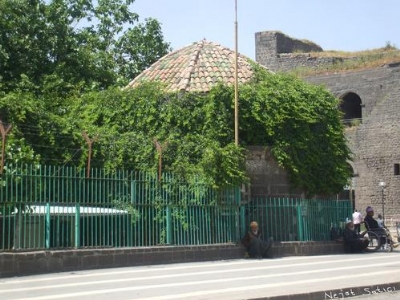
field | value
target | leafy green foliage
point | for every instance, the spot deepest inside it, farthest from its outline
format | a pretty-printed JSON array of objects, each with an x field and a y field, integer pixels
[
  {"x": 60, "y": 63},
  {"x": 138, "y": 48},
  {"x": 53, "y": 51},
  {"x": 299, "y": 122},
  {"x": 66, "y": 44},
  {"x": 39, "y": 132},
  {"x": 193, "y": 129}
]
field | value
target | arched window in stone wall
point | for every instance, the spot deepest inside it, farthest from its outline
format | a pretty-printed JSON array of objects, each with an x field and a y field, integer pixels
[{"x": 351, "y": 106}]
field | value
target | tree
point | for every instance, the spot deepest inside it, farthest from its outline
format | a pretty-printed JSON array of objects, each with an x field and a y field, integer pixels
[
  {"x": 62, "y": 45},
  {"x": 138, "y": 48},
  {"x": 52, "y": 51}
]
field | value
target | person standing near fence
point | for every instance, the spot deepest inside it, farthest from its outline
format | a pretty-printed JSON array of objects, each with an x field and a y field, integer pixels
[
  {"x": 357, "y": 220},
  {"x": 256, "y": 247},
  {"x": 380, "y": 221}
]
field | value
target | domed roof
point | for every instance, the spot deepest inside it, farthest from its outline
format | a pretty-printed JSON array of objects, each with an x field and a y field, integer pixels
[{"x": 197, "y": 67}]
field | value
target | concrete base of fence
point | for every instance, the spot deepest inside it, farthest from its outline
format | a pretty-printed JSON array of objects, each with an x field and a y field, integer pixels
[{"x": 26, "y": 263}]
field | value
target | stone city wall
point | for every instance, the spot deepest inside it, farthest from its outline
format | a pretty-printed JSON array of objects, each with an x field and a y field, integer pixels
[
  {"x": 266, "y": 177},
  {"x": 375, "y": 143},
  {"x": 280, "y": 52}
]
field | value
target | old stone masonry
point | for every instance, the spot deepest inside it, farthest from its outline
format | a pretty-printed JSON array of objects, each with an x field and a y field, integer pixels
[{"x": 371, "y": 107}]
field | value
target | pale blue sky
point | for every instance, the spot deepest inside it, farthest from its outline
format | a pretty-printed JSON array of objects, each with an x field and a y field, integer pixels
[{"x": 347, "y": 25}]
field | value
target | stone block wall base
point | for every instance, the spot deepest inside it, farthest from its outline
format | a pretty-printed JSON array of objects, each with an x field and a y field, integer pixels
[{"x": 38, "y": 262}]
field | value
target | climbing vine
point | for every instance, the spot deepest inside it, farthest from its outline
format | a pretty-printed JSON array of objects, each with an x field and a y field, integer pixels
[
  {"x": 302, "y": 126},
  {"x": 299, "y": 122}
]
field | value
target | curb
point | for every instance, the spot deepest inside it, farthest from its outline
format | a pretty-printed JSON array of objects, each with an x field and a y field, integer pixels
[
  {"x": 351, "y": 292},
  {"x": 52, "y": 261}
]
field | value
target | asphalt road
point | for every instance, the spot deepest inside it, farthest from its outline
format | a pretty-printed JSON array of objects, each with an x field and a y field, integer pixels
[{"x": 333, "y": 277}]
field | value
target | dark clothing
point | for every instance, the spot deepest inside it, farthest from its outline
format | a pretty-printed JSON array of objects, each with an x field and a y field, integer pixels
[
  {"x": 255, "y": 246},
  {"x": 370, "y": 222},
  {"x": 357, "y": 228},
  {"x": 354, "y": 242}
]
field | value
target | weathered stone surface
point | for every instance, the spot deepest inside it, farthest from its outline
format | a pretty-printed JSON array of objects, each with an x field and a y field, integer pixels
[
  {"x": 375, "y": 143},
  {"x": 266, "y": 177}
]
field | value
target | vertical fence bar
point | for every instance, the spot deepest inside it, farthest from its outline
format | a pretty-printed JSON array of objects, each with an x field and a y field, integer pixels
[
  {"x": 242, "y": 220},
  {"x": 3, "y": 227},
  {"x": 140, "y": 224},
  {"x": 77, "y": 225},
  {"x": 306, "y": 217},
  {"x": 300, "y": 223},
  {"x": 131, "y": 220},
  {"x": 47, "y": 226},
  {"x": 168, "y": 225}
]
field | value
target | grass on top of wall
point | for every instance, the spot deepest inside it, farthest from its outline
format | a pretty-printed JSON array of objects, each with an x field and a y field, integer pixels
[{"x": 351, "y": 61}]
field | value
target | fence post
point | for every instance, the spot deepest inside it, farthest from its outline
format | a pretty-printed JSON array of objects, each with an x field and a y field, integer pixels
[
  {"x": 77, "y": 226},
  {"x": 4, "y": 132},
  {"x": 47, "y": 226},
  {"x": 130, "y": 225},
  {"x": 238, "y": 221},
  {"x": 18, "y": 238},
  {"x": 300, "y": 228},
  {"x": 243, "y": 227},
  {"x": 169, "y": 225},
  {"x": 133, "y": 191}
]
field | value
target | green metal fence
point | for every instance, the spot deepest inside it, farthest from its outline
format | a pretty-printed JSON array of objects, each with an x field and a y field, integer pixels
[
  {"x": 296, "y": 219},
  {"x": 43, "y": 207},
  {"x": 50, "y": 207}
]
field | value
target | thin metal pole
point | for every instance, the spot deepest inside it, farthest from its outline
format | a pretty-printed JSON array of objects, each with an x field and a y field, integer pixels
[
  {"x": 159, "y": 150},
  {"x": 236, "y": 80},
  {"x": 383, "y": 204},
  {"x": 351, "y": 194},
  {"x": 4, "y": 132},
  {"x": 90, "y": 144}
]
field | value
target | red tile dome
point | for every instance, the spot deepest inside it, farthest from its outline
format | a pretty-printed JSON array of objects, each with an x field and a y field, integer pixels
[{"x": 197, "y": 67}]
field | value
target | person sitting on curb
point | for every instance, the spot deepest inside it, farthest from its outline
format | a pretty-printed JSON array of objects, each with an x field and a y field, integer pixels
[
  {"x": 354, "y": 242},
  {"x": 255, "y": 246},
  {"x": 357, "y": 220}
]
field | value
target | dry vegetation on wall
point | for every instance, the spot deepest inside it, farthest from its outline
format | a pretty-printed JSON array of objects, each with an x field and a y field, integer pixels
[
  {"x": 351, "y": 61},
  {"x": 308, "y": 42}
]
